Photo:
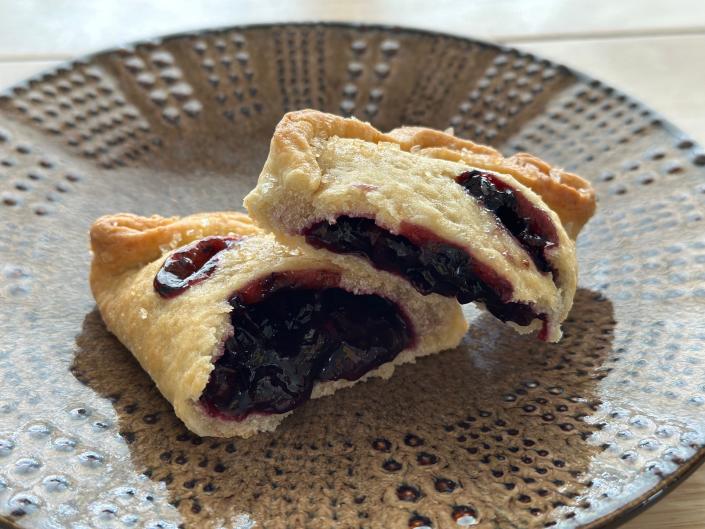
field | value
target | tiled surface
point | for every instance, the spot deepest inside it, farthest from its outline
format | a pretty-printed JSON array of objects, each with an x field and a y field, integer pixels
[
  {"x": 65, "y": 27},
  {"x": 654, "y": 53},
  {"x": 15, "y": 71}
]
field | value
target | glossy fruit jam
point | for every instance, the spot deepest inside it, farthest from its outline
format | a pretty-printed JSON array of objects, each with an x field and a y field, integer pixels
[
  {"x": 190, "y": 265},
  {"x": 430, "y": 264},
  {"x": 293, "y": 329},
  {"x": 531, "y": 226}
]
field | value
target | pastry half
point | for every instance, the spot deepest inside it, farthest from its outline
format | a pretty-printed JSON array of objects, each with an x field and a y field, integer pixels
[
  {"x": 451, "y": 217},
  {"x": 237, "y": 329}
]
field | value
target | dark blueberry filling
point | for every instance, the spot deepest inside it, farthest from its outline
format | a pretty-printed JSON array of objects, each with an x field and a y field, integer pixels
[
  {"x": 529, "y": 225},
  {"x": 431, "y": 265},
  {"x": 190, "y": 265},
  {"x": 290, "y": 332}
]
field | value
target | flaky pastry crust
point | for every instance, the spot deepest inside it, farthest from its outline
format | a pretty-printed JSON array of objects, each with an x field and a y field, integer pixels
[
  {"x": 569, "y": 195},
  {"x": 124, "y": 240},
  {"x": 176, "y": 340},
  {"x": 321, "y": 166}
]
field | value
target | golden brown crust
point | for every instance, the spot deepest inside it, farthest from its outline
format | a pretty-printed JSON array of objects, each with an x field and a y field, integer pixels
[
  {"x": 124, "y": 240},
  {"x": 569, "y": 195},
  {"x": 127, "y": 252},
  {"x": 175, "y": 340},
  {"x": 413, "y": 138},
  {"x": 321, "y": 166}
]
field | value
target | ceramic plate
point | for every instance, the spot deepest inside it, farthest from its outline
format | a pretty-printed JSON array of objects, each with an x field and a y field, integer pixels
[{"x": 502, "y": 432}]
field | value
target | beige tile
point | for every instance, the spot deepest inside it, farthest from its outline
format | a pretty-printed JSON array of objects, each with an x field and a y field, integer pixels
[
  {"x": 59, "y": 28},
  {"x": 16, "y": 71},
  {"x": 666, "y": 73}
]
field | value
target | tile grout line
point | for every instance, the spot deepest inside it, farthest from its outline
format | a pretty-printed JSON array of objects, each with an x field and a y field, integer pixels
[{"x": 603, "y": 35}]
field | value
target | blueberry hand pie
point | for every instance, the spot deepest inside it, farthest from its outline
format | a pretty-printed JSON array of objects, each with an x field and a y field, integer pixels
[
  {"x": 449, "y": 216},
  {"x": 237, "y": 329}
]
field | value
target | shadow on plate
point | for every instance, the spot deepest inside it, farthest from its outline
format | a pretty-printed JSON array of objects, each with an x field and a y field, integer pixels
[{"x": 492, "y": 432}]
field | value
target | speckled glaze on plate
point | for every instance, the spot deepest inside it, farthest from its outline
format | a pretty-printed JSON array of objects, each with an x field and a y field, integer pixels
[{"x": 502, "y": 432}]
